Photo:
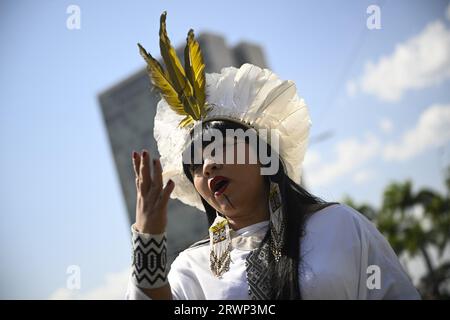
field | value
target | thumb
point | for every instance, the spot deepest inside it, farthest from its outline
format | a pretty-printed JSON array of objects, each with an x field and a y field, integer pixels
[{"x": 164, "y": 199}]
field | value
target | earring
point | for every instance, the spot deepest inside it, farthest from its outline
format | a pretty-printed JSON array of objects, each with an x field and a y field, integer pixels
[
  {"x": 277, "y": 225},
  {"x": 220, "y": 246}
]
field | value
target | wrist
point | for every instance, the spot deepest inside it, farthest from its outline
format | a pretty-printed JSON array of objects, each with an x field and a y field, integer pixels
[
  {"x": 149, "y": 268},
  {"x": 153, "y": 229}
]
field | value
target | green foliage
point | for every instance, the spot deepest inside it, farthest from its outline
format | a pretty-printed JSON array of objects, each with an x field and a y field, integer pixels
[{"x": 413, "y": 223}]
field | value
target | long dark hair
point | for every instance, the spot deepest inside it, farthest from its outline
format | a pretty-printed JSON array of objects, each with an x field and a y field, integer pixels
[{"x": 297, "y": 203}]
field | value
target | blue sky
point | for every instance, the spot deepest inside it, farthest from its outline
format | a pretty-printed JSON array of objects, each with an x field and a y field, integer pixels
[{"x": 383, "y": 93}]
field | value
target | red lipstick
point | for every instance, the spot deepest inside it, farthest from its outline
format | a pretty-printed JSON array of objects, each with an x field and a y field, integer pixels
[{"x": 218, "y": 185}]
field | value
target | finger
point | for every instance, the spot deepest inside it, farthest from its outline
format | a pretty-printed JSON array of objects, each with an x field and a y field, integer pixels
[
  {"x": 157, "y": 173},
  {"x": 136, "y": 163},
  {"x": 165, "y": 195},
  {"x": 156, "y": 188},
  {"x": 137, "y": 186},
  {"x": 144, "y": 173}
]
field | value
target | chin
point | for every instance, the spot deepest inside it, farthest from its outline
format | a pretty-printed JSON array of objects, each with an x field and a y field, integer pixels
[
  {"x": 226, "y": 209},
  {"x": 229, "y": 210}
]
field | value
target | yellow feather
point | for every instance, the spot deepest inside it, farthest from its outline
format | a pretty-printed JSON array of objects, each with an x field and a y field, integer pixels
[
  {"x": 183, "y": 89},
  {"x": 161, "y": 81},
  {"x": 186, "y": 122},
  {"x": 195, "y": 70},
  {"x": 175, "y": 71}
]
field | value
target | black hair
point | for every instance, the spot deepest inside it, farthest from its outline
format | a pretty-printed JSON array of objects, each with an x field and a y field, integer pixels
[{"x": 297, "y": 203}]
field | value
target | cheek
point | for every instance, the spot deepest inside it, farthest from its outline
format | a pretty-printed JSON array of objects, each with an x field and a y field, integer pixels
[
  {"x": 201, "y": 186},
  {"x": 250, "y": 178}
]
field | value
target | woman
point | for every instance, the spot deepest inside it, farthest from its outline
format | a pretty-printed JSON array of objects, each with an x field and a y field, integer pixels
[{"x": 269, "y": 238}]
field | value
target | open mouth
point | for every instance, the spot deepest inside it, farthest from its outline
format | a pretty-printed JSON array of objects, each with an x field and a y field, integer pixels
[{"x": 219, "y": 185}]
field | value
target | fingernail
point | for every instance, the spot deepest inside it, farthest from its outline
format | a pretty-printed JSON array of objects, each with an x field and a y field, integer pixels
[
  {"x": 154, "y": 161},
  {"x": 144, "y": 154},
  {"x": 134, "y": 154},
  {"x": 170, "y": 182}
]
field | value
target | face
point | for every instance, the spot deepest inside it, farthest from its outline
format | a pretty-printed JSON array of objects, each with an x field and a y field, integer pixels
[{"x": 234, "y": 189}]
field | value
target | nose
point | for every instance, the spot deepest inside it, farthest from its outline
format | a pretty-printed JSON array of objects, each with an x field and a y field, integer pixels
[{"x": 209, "y": 166}]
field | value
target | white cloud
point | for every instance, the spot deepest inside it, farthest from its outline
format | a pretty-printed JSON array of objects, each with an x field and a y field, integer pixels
[
  {"x": 349, "y": 155},
  {"x": 432, "y": 130},
  {"x": 312, "y": 158},
  {"x": 363, "y": 176},
  {"x": 113, "y": 288},
  {"x": 386, "y": 125},
  {"x": 420, "y": 62}
]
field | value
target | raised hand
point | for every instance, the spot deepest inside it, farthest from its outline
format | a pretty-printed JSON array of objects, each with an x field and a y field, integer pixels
[{"x": 152, "y": 198}]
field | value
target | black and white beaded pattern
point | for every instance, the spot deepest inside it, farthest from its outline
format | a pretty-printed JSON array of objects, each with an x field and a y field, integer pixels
[
  {"x": 257, "y": 272},
  {"x": 149, "y": 268}
]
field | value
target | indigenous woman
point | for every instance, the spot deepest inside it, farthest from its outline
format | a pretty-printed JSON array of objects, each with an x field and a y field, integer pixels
[{"x": 232, "y": 145}]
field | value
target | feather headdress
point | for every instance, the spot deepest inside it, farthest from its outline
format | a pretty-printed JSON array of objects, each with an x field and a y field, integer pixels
[{"x": 255, "y": 97}]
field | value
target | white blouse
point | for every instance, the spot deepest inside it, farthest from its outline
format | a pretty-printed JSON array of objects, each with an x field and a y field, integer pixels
[{"x": 343, "y": 257}]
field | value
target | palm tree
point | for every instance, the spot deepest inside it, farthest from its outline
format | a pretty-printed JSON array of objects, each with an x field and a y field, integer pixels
[{"x": 415, "y": 223}]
